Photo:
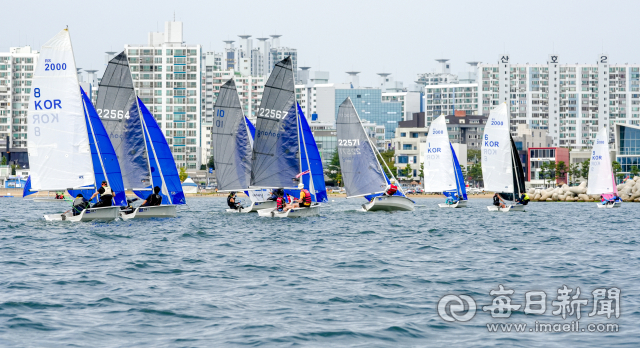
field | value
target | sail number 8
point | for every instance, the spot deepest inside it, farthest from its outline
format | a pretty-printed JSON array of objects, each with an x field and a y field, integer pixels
[
  {"x": 262, "y": 112},
  {"x": 348, "y": 142},
  {"x": 112, "y": 114}
]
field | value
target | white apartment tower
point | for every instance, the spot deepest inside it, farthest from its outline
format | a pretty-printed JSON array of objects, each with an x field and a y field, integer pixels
[
  {"x": 16, "y": 72},
  {"x": 166, "y": 76}
]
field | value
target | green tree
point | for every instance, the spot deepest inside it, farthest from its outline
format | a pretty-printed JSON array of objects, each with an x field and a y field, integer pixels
[
  {"x": 473, "y": 156},
  {"x": 634, "y": 171},
  {"x": 584, "y": 169},
  {"x": 211, "y": 164},
  {"x": 544, "y": 171},
  {"x": 617, "y": 168},
  {"x": 574, "y": 173},
  {"x": 388, "y": 158},
  {"x": 333, "y": 169},
  {"x": 561, "y": 170},
  {"x": 183, "y": 173},
  {"x": 13, "y": 169},
  {"x": 475, "y": 173},
  {"x": 4, "y": 161},
  {"x": 408, "y": 171},
  {"x": 421, "y": 171}
]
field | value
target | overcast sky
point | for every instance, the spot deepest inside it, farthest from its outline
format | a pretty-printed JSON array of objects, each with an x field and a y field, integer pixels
[{"x": 399, "y": 37}]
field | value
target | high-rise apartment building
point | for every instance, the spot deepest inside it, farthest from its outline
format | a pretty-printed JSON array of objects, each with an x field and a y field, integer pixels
[
  {"x": 16, "y": 72},
  {"x": 166, "y": 75}
]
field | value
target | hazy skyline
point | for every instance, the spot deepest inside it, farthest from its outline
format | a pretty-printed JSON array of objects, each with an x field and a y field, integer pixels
[{"x": 401, "y": 38}]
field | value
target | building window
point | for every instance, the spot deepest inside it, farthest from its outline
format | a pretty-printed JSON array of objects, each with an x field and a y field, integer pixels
[
  {"x": 403, "y": 159},
  {"x": 402, "y": 135},
  {"x": 407, "y": 147}
]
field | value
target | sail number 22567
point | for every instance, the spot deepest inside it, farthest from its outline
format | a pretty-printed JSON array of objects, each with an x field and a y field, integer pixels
[{"x": 277, "y": 114}]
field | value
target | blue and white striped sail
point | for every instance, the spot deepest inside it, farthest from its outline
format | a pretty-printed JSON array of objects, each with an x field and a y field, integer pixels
[
  {"x": 105, "y": 161},
  {"x": 461, "y": 188},
  {"x": 163, "y": 167}
]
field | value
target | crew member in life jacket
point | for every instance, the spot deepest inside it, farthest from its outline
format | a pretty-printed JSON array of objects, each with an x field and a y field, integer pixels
[
  {"x": 281, "y": 202},
  {"x": 106, "y": 196},
  {"x": 79, "y": 204},
  {"x": 153, "y": 199},
  {"x": 305, "y": 198},
  {"x": 392, "y": 188},
  {"x": 453, "y": 199},
  {"x": 524, "y": 199},
  {"x": 231, "y": 201},
  {"x": 498, "y": 202}
]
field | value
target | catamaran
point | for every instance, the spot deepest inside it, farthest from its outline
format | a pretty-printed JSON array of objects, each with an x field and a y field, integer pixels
[
  {"x": 120, "y": 111},
  {"x": 233, "y": 136},
  {"x": 601, "y": 178},
  {"x": 501, "y": 166},
  {"x": 67, "y": 143},
  {"x": 361, "y": 171},
  {"x": 280, "y": 151},
  {"x": 442, "y": 172}
]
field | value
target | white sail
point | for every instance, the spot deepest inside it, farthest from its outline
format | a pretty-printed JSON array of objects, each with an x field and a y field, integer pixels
[
  {"x": 497, "y": 171},
  {"x": 600, "y": 171},
  {"x": 58, "y": 143},
  {"x": 439, "y": 174}
]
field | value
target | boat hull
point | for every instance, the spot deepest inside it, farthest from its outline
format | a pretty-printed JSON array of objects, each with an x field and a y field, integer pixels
[
  {"x": 609, "y": 206},
  {"x": 159, "y": 211},
  {"x": 104, "y": 213},
  {"x": 508, "y": 208},
  {"x": 254, "y": 207},
  {"x": 314, "y": 210},
  {"x": 459, "y": 204},
  {"x": 389, "y": 203}
]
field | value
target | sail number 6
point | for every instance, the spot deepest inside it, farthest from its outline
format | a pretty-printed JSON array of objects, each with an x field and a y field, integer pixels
[
  {"x": 348, "y": 142},
  {"x": 262, "y": 112}
]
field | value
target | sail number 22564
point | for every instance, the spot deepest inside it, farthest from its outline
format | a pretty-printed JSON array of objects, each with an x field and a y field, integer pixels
[{"x": 112, "y": 114}]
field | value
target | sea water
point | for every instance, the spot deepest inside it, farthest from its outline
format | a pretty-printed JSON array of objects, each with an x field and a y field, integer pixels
[{"x": 345, "y": 278}]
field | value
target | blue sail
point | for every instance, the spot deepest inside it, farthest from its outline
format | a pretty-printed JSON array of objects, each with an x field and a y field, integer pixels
[
  {"x": 311, "y": 155},
  {"x": 252, "y": 128},
  {"x": 27, "y": 187},
  {"x": 461, "y": 188},
  {"x": 105, "y": 161},
  {"x": 161, "y": 160},
  {"x": 86, "y": 193}
]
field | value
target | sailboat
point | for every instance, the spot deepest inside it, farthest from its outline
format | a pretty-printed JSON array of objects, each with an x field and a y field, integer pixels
[
  {"x": 361, "y": 171},
  {"x": 501, "y": 166},
  {"x": 601, "y": 178},
  {"x": 277, "y": 154},
  {"x": 119, "y": 110},
  {"x": 68, "y": 146},
  {"x": 442, "y": 172},
  {"x": 232, "y": 144}
]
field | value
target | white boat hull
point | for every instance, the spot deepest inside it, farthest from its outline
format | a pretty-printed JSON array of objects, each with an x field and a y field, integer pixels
[
  {"x": 314, "y": 210},
  {"x": 508, "y": 208},
  {"x": 458, "y": 204},
  {"x": 104, "y": 213},
  {"x": 389, "y": 203},
  {"x": 48, "y": 200},
  {"x": 609, "y": 206},
  {"x": 159, "y": 211},
  {"x": 254, "y": 207}
]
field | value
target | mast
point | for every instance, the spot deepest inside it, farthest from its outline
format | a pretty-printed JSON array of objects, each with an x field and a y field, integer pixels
[
  {"x": 95, "y": 142},
  {"x": 385, "y": 163},
  {"x": 301, "y": 133}
]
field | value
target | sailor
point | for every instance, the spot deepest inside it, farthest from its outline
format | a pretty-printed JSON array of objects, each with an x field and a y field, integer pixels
[
  {"x": 497, "y": 201},
  {"x": 129, "y": 208},
  {"x": 281, "y": 202},
  {"x": 305, "y": 198},
  {"x": 153, "y": 199},
  {"x": 524, "y": 199},
  {"x": 79, "y": 204},
  {"x": 391, "y": 188},
  {"x": 106, "y": 195},
  {"x": 274, "y": 195},
  {"x": 231, "y": 201},
  {"x": 453, "y": 199}
]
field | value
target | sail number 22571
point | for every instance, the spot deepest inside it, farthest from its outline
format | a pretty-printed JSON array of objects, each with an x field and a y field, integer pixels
[{"x": 348, "y": 142}]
